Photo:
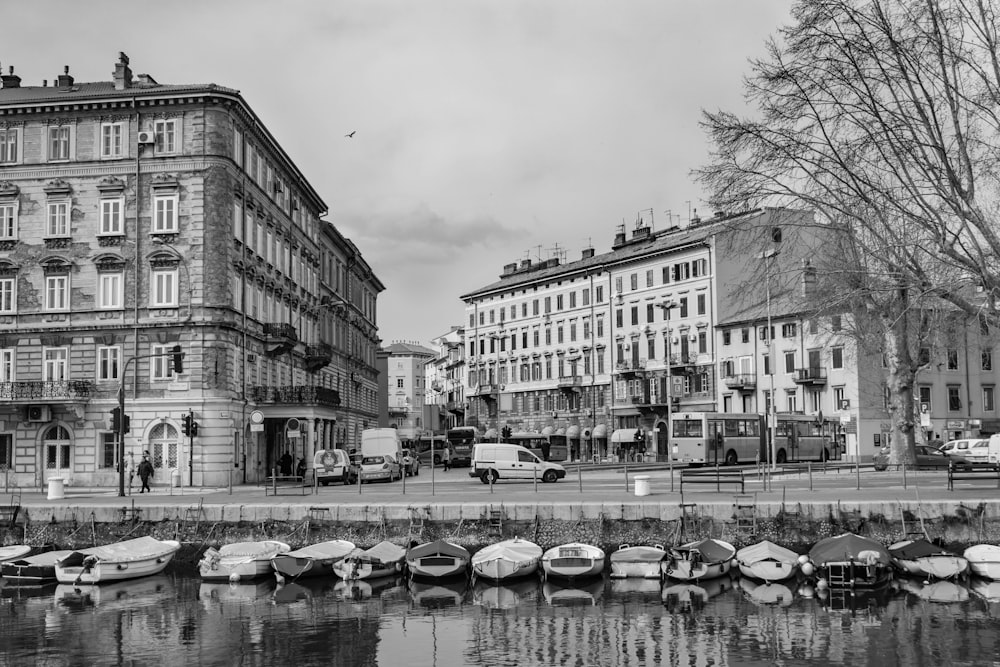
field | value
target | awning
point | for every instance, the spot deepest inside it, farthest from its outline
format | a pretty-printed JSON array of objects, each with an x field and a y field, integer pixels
[
  {"x": 600, "y": 431},
  {"x": 560, "y": 431},
  {"x": 548, "y": 430},
  {"x": 573, "y": 432},
  {"x": 623, "y": 435}
]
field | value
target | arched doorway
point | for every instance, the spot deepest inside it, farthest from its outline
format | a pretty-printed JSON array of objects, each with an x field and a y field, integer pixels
[
  {"x": 662, "y": 441},
  {"x": 58, "y": 450},
  {"x": 163, "y": 449}
]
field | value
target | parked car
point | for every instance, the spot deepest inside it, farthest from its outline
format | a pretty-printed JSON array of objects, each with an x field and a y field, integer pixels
[
  {"x": 929, "y": 457},
  {"x": 985, "y": 451},
  {"x": 959, "y": 447},
  {"x": 330, "y": 466},
  {"x": 411, "y": 464},
  {"x": 373, "y": 468}
]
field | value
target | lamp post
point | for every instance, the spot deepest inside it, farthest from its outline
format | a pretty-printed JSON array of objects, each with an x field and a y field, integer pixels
[
  {"x": 767, "y": 256},
  {"x": 666, "y": 306},
  {"x": 495, "y": 338}
]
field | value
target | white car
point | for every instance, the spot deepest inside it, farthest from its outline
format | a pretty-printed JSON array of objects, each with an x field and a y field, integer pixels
[
  {"x": 411, "y": 463},
  {"x": 330, "y": 466},
  {"x": 958, "y": 447},
  {"x": 380, "y": 467}
]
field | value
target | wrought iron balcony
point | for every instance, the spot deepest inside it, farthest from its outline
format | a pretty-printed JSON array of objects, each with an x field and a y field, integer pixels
[
  {"x": 570, "y": 382},
  {"x": 318, "y": 356},
  {"x": 299, "y": 395},
  {"x": 40, "y": 391},
  {"x": 279, "y": 337},
  {"x": 631, "y": 367},
  {"x": 742, "y": 381},
  {"x": 457, "y": 407},
  {"x": 810, "y": 377}
]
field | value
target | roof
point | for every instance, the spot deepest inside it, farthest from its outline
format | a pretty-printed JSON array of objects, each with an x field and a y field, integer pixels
[
  {"x": 103, "y": 90},
  {"x": 409, "y": 350}
]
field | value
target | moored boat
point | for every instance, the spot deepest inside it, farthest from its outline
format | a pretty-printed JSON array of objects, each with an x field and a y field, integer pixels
[
  {"x": 240, "y": 560},
  {"x": 382, "y": 560},
  {"x": 33, "y": 570},
  {"x": 438, "y": 559},
  {"x": 984, "y": 560},
  {"x": 703, "y": 559},
  {"x": 921, "y": 558},
  {"x": 509, "y": 559},
  {"x": 315, "y": 560},
  {"x": 640, "y": 561},
  {"x": 849, "y": 561},
  {"x": 573, "y": 561},
  {"x": 120, "y": 594},
  {"x": 129, "y": 559},
  {"x": 767, "y": 561},
  {"x": 14, "y": 551}
]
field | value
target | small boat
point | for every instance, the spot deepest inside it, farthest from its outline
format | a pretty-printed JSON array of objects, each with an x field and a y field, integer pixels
[
  {"x": 382, "y": 560},
  {"x": 33, "y": 570},
  {"x": 938, "y": 590},
  {"x": 437, "y": 559},
  {"x": 14, "y": 552},
  {"x": 573, "y": 561},
  {"x": 704, "y": 559},
  {"x": 315, "y": 560},
  {"x": 849, "y": 561},
  {"x": 641, "y": 561},
  {"x": 984, "y": 560},
  {"x": 921, "y": 558},
  {"x": 768, "y": 593},
  {"x": 129, "y": 559},
  {"x": 767, "y": 561},
  {"x": 508, "y": 559},
  {"x": 240, "y": 560},
  {"x": 565, "y": 594}
]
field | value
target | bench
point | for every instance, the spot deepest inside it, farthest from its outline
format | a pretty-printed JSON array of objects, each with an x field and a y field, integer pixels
[
  {"x": 717, "y": 477},
  {"x": 274, "y": 483},
  {"x": 973, "y": 472}
]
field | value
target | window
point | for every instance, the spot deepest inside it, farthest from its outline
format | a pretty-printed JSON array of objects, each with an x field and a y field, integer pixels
[
  {"x": 110, "y": 291},
  {"x": 987, "y": 360},
  {"x": 789, "y": 362},
  {"x": 634, "y": 281},
  {"x": 702, "y": 342},
  {"x": 650, "y": 313},
  {"x": 54, "y": 366},
  {"x": 925, "y": 397},
  {"x": 57, "y": 223},
  {"x": 726, "y": 337},
  {"x": 164, "y": 288},
  {"x": 619, "y": 318},
  {"x": 534, "y": 307},
  {"x": 162, "y": 363},
  {"x": 835, "y": 323},
  {"x": 618, "y": 285},
  {"x": 112, "y": 216},
  {"x": 7, "y": 366},
  {"x": 8, "y": 145},
  {"x": 6, "y": 451},
  {"x": 684, "y": 306},
  {"x": 837, "y": 357},
  {"x": 166, "y": 136},
  {"x": 634, "y": 313},
  {"x": 559, "y": 302},
  {"x": 838, "y": 398},
  {"x": 952, "y": 359},
  {"x": 8, "y": 297},
  {"x": 791, "y": 401},
  {"x": 600, "y": 327},
  {"x": 8, "y": 221},
  {"x": 585, "y": 294},
  {"x": 767, "y": 365},
  {"x": 59, "y": 143},
  {"x": 745, "y": 335},
  {"x": 701, "y": 304},
  {"x": 989, "y": 404},
  {"x": 954, "y": 399},
  {"x": 58, "y": 448},
  {"x": 548, "y": 305},
  {"x": 572, "y": 299},
  {"x": 57, "y": 292},
  {"x": 112, "y": 140},
  {"x": 599, "y": 294},
  {"x": 165, "y": 213},
  {"x": 788, "y": 330},
  {"x": 108, "y": 449},
  {"x": 109, "y": 359},
  {"x": 399, "y": 383}
]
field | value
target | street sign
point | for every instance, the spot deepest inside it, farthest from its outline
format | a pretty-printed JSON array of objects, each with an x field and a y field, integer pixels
[{"x": 256, "y": 417}]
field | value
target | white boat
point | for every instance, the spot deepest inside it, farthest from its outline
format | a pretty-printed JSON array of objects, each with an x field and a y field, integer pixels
[
  {"x": 641, "y": 561},
  {"x": 704, "y": 559},
  {"x": 566, "y": 594},
  {"x": 33, "y": 570},
  {"x": 920, "y": 558},
  {"x": 315, "y": 560},
  {"x": 382, "y": 560},
  {"x": 438, "y": 559},
  {"x": 573, "y": 561},
  {"x": 129, "y": 559},
  {"x": 767, "y": 561},
  {"x": 509, "y": 559},
  {"x": 126, "y": 595},
  {"x": 240, "y": 560},
  {"x": 984, "y": 560},
  {"x": 14, "y": 552}
]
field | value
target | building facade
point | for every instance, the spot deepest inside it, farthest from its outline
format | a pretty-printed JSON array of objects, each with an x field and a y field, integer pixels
[
  {"x": 445, "y": 397},
  {"x": 137, "y": 217},
  {"x": 405, "y": 387}
]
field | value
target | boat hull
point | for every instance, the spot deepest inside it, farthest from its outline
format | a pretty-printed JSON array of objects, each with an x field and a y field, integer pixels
[
  {"x": 14, "y": 552},
  {"x": 33, "y": 570},
  {"x": 573, "y": 561},
  {"x": 93, "y": 568},
  {"x": 767, "y": 561},
  {"x": 705, "y": 559},
  {"x": 639, "y": 562},
  {"x": 438, "y": 560},
  {"x": 510, "y": 559},
  {"x": 240, "y": 561},
  {"x": 383, "y": 560},
  {"x": 921, "y": 558},
  {"x": 984, "y": 561},
  {"x": 316, "y": 560},
  {"x": 768, "y": 570}
]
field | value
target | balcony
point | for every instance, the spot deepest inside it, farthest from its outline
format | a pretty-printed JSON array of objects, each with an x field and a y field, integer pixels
[
  {"x": 35, "y": 391},
  {"x": 570, "y": 382},
  {"x": 741, "y": 382},
  {"x": 279, "y": 338},
  {"x": 631, "y": 367},
  {"x": 318, "y": 356},
  {"x": 307, "y": 395},
  {"x": 810, "y": 377},
  {"x": 456, "y": 407}
]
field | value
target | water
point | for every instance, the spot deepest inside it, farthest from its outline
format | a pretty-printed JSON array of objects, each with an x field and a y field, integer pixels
[{"x": 176, "y": 619}]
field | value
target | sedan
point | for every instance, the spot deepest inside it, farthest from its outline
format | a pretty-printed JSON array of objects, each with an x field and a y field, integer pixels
[
  {"x": 373, "y": 468},
  {"x": 930, "y": 457}
]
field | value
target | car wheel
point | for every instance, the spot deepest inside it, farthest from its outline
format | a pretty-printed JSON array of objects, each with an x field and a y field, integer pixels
[
  {"x": 490, "y": 476},
  {"x": 437, "y": 460},
  {"x": 549, "y": 476}
]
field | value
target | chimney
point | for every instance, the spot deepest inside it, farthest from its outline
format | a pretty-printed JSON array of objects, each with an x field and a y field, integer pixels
[
  {"x": 10, "y": 80},
  {"x": 65, "y": 80},
  {"x": 587, "y": 253},
  {"x": 509, "y": 268},
  {"x": 525, "y": 263},
  {"x": 123, "y": 75}
]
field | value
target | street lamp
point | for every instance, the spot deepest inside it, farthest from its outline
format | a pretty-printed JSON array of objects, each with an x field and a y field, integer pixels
[
  {"x": 666, "y": 306},
  {"x": 767, "y": 256},
  {"x": 495, "y": 338}
]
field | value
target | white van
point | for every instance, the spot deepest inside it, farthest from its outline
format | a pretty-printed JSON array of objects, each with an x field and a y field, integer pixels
[
  {"x": 494, "y": 461},
  {"x": 986, "y": 453},
  {"x": 383, "y": 442}
]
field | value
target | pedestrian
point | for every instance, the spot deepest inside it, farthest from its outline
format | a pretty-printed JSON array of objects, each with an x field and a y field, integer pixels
[
  {"x": 145, "y": 472},
  {"x": 446, "y": 458},
  {"x": 130, "y": 469},
  {"x": 285, "y": 464}
]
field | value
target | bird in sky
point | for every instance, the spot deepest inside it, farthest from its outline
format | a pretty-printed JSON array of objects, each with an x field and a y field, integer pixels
[{"x": 351, "y": 135}]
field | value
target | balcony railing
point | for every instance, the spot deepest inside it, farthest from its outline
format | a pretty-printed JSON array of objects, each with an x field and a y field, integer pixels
[
  {"x": 294, "y": 394},
  {"x": 570, "y": 382},
  {"x": 741, "y": 381},
  {"x": 38, "y": 390},
  {"x": 810, "y": 376},
  {"x": 318, "y": 356},
  {"x": 280, "y": 338}
]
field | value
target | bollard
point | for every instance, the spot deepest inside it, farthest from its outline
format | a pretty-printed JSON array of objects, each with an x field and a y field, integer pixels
[
  {"x": 810, "y": 467},
  {"x": 670, "y": 463},
  {"x": 904, "y": 474},
  {"x": 857, "y": 468},
  {"x": 626, "y": 478},
  {"x": 579, "y": 476}
]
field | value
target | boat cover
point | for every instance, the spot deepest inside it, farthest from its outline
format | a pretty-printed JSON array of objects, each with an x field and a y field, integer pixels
[
  {"x": 139, "y": 548},
  {"x": 766, "y": 550},
  {"x": 638, "y": 554},
  {"x": 983, "y": 553},
  {"x": 42, "y": 559},
  {"x": 15, "y": 551},
  {"x": 516, "y": 550},
  {"x": 437, "y": 548},
  {"x": 915, "y": 549},
  {"x": 383, "y": 552},
  {"x": 262, "y": 549},
  {"x": 711, "y": 551},
  {"x": 323, "y": 550},
  {"x": 848, "y": 547}
]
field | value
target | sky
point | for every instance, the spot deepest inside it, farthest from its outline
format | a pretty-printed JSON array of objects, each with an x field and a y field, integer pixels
[{"x": 485, "y": 131}]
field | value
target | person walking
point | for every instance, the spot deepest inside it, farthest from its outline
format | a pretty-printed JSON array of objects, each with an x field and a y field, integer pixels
[
  {"x": 145, "y": 472},
  {"x": 130, "y": 469},
  {"x": 446, "y": 458}
]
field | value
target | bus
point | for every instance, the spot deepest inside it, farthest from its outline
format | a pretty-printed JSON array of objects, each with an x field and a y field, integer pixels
[
  {"x": 804, "y": 438},
  {"x": 550, "y": 447},
  {"x": 427, "y": 448},
  {"x": 709, "y": 438},
  {"x": 462, "y": 439}
]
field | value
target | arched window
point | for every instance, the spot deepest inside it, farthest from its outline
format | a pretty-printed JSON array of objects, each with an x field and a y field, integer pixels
[
  {"x": 163, "y": 443},
  {"x": 58, "y": 448}
]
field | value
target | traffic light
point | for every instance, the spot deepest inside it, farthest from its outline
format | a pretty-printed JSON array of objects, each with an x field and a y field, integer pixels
[
  {"x": 116, "y": 421},
  {"x": 178, "y": 359},
  {"x": 194, "y": 429},
  {"x": 505, "y": 432},
  {"x": 638, "y": 435},
  {"x": 186, "y": 423}
]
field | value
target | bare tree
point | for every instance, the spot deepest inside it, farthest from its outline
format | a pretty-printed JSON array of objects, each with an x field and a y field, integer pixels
[{"x": 883, "y": 116}]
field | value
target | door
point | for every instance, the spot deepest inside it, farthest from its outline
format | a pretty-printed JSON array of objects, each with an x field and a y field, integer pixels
[{"x": 526, "y": 465}]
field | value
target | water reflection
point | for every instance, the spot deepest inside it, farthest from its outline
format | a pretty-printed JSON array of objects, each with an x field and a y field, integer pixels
[{"x": 176, "y": 619}]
